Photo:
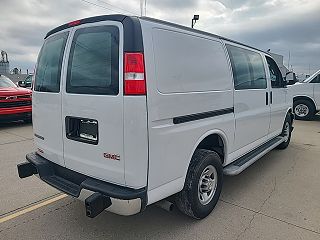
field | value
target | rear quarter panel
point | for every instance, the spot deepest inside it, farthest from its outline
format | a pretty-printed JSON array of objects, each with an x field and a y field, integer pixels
[{"x": 173, "y": 89}]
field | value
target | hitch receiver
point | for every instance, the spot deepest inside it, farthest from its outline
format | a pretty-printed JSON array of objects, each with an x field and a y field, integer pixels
[
  {"x": 26, "y": 169},
  {"x": 96, "y": 203}
]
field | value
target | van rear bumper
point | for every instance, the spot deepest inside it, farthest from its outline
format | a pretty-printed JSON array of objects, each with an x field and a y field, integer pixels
[{"x": 124, "y": 201}]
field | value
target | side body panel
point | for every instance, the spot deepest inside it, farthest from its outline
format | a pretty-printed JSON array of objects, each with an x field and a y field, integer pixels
[
  {"x": 280, "y": 101},
  {"x": 252, "y": 111},
  {"x": 301, "y": 89},
  {"x": 316, "y": 93},
  {"x": 170, "y": 54}
]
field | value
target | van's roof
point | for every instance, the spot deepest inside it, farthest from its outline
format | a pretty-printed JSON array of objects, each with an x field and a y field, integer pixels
[{"x": 121, "y": 18}]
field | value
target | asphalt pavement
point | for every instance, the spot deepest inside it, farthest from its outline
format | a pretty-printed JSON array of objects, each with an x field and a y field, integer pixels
[{"x": 276, "y": 198}]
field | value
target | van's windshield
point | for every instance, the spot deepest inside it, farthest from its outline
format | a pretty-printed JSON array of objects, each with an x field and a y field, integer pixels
[{"x": 49, "y": 64}]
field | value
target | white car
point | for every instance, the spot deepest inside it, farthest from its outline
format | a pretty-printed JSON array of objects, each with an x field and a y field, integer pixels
[
  {"x": 306, "y": 97},
  {"x": 128, "y": 111}
]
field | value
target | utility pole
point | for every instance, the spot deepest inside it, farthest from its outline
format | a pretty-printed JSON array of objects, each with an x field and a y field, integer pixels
[
  {"x": 309, "y": 69},
  {"x": 143, "y": 7},
  {"x": 289, "y": 60},
  {"x": 194, "y": 19}
]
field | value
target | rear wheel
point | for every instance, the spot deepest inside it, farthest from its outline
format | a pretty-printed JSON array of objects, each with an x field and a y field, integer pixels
[
  {"x": 286, "y": 132},
  {"x": 202, "y": 186},
  {"x": 303, "y": 109}
]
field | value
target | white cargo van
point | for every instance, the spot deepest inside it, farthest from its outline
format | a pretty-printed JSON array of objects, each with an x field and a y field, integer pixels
[
  {"x": 128, "y": 111},
  {"x": 306, "y": 97}
]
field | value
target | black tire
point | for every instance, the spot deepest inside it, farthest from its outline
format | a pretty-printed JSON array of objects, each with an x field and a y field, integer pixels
[
  {"x": 187, "y": 200},
  {"x": 285, "y": 144},
  {"x": 309, "y": 105}
]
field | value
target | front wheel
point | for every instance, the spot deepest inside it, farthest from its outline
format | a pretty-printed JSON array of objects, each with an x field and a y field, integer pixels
[
  {"x": 303, "y": 109},
  {"x": 202, "y": 186},
  {"x": 286, "y": 132}
]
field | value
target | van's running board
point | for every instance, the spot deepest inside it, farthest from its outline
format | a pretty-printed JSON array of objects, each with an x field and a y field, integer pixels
[{"x": 245, "y": 161}]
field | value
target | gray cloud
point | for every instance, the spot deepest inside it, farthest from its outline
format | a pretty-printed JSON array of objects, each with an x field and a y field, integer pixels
[{"x": 281, "y": 25}]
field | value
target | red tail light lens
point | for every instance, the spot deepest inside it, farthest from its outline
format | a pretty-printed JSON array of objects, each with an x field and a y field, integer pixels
[
  {"x": 74, "y": 23},
  {"x": 134, "y": 74}
]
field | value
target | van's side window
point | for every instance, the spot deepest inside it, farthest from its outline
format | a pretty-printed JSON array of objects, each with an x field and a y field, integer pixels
[
  {"x": 48, "y": 72},
  {"x": 275, "y": 74},
  {"x": 248, "y": 69},
  {"x": 316, "y": 79},
  {"x": 93, "y": 66}
]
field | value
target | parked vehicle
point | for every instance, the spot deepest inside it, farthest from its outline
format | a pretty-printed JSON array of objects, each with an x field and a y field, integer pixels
[
  {"x": 306, "y": 97},
  {"x": 141, "y": 109},
  {"x": 15, "y": 102},
  {"x": 27, "y": 83}
]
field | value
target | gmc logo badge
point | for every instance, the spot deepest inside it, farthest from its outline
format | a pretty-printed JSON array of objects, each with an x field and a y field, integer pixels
[
  {"x": 112, "y": 156},
  {"x": 11, "y": 98}
]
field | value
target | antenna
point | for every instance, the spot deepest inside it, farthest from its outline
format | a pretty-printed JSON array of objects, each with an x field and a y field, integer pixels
[{"x": 145, "y": 7}]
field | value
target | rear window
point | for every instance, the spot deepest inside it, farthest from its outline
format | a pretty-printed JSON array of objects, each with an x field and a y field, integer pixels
[
  {"x": 49, "y": 64},
  {"x": 94, "y": 61}
]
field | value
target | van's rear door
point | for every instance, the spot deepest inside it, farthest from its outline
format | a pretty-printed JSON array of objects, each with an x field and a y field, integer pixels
[
  {"x": 46, "y": 111},
  {"x": 92, "y": 108}
]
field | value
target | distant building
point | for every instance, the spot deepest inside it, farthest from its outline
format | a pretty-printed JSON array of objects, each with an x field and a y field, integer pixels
[
  {"x": 279, "y": 60},
  {"x": 16, "y": 77},
  {"x": 15, "y": 74},
  {"x": 4, "y": 63}
]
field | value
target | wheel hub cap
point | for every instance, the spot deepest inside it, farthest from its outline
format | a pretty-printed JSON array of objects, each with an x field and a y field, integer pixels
[
  {"x": 301, "y": 110},
  {"x": 207, "y": 184}
]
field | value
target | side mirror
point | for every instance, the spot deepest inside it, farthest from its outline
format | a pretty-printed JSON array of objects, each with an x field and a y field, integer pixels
[
  {"x": 290, "y": 78},
  {"x": 22, "y": 84},
  {"x": 284, "y": 82}
]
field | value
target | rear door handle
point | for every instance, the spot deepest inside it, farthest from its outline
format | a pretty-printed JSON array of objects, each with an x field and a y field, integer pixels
[
  {"x": 267, "y": 100},
  {"x": 270, "y": 97}
]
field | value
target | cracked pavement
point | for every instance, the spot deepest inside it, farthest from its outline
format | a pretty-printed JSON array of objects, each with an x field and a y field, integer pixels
[{"x": 276, "y": 198}]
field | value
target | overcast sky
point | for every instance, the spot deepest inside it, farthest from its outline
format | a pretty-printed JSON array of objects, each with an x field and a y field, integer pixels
[{"x": 281, "y": 25}]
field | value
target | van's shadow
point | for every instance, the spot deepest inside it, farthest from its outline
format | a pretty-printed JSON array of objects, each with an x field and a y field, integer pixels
[
  {"x": 317, "y": 118},
  {"x": 156, "y": 223},
  {"x": 153, "y": 223}
]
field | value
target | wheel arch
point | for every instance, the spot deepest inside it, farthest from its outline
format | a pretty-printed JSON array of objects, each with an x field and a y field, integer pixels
[
  {"x": 204, "y": 143},
  {"x": 290, "y": 113},
  {"x": 304, "y": 97}
]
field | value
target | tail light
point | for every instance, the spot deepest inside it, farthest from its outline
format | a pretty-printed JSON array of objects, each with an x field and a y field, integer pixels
[
  {"x": 134, "y": 74},
  {"x": 74, "y": 23}
]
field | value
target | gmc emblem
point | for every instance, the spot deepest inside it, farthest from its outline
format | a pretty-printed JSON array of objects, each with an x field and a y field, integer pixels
[
  {"x": 112, "y": 156},
  {"x": 11, "y": 98}
]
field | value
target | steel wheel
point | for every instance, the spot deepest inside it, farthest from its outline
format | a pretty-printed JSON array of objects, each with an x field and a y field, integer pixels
[
  {"x": 207, "y": 184},
  {"x": 301, "y": 110}
]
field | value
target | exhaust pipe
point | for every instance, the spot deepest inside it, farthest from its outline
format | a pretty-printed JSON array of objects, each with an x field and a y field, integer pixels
[
  {"x": 96, "y": 203},
  {"x": 166, "y": 205}
]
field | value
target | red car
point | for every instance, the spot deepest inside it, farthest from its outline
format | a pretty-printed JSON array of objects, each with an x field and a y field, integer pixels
[{"x": 15, "y": 102}]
